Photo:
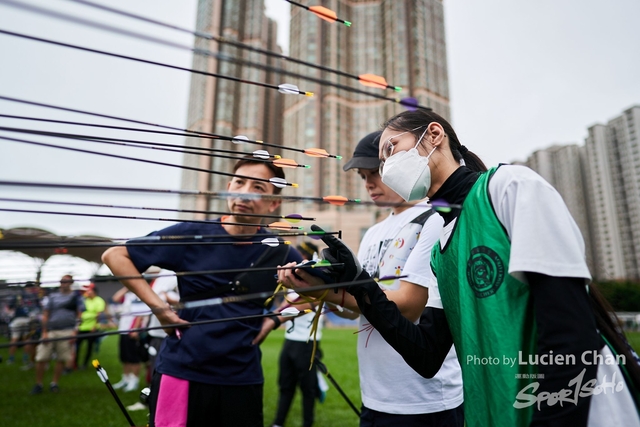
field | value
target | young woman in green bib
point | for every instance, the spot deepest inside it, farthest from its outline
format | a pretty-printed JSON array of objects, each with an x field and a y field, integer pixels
[{"x": 535, "y": 346}]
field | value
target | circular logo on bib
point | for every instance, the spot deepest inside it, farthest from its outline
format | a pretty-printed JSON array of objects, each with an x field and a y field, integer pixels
[{"x": 485, "y": 271}]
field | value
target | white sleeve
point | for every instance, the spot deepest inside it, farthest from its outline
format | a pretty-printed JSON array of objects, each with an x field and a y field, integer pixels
[
  {"x": 418, "y": 265},
  {"x": 165, "y": 283},
  {"x": 544, "y": 237},
  {"x": 434, "y": 300}
]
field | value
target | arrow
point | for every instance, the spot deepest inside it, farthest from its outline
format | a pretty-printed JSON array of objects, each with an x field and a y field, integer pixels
[
  {"x": 293, "y": 218},
  {"x": 371, "y": 80},
  {"x": 102, "y": 374},
  {"x": 288, "y": 163},
  {"x": 99, "y": 279},
  {"x": 223, "y": 40},
  {"x": 260, "y": 155},
  {"x": 276, "y": 225},
  {"x": 322, "y": 13},
  {"x": 292, "y": 89},
  {"x": 278, "y": 182},
  {"x": 146, "y": 61}
]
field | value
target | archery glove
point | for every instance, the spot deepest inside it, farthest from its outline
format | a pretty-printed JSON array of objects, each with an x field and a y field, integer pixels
[{"x": 338, "y": 253}]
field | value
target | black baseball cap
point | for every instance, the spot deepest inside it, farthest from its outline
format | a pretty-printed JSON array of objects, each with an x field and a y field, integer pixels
[{"x": 365, "y": 155}]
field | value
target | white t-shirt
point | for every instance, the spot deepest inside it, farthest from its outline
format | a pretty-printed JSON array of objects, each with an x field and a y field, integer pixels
[
  {"x": 131, "y": 308},
  {"x": 300, "y": 328},
  {"x": 161, "y": 286},
  {"x": 387, "y": 383}
]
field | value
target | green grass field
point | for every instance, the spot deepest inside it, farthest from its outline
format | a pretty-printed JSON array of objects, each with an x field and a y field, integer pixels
[{"x": 85, "y": 400}]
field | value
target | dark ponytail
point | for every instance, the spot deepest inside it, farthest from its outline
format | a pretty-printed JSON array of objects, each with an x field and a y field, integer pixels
[
  {"x": 609, "y": 326},
  {"x": 408, "y": 121}
]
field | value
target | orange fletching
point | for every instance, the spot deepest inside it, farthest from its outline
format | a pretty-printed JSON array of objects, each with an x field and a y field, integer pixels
[
  {"x": 372, "y": 80},
  {"x": 336, "y": 200},
  {"x": 324, "y": 13},
  {"x": 280, "y": 225},
  {"x": 285, "y": 163},
  {"x": 316, "y": 152}
]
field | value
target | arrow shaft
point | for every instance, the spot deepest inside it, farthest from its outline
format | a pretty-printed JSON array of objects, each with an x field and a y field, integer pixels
[
  {"x": 117, "y": 156},
  {"x": 218, "y": 39},
  {"x": 136, "y": 144},
  {"x": 131, "y": 58},
  {"x": 98, "y": 205},
  {"x": 141, "y": 218}
]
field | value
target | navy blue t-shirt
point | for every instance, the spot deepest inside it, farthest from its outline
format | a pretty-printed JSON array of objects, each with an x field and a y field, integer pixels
[{"x": 217, "y": 353}]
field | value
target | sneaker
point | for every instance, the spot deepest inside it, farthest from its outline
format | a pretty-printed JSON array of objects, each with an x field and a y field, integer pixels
[
  {"x": 122, "y": 383},
  {"x": 67, "y": 371},
  {"x": 37, "y": 389},
  {"x": 11, "y": 360},
  {"x": 138, "y": 406},
  {"x": 26, "y": 367},
  {"x": 132, "y": 385},
  {"x": 53, "y": 388}
]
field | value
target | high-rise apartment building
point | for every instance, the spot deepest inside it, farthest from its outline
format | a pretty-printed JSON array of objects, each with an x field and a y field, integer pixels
[
  {"x": 227, "y": 107},
  {"x": 613, "y": 153},
  {"x": 402, "y": 40},
  {"x": 600, "y": 183},
  {"x": 562, "y": 166}
]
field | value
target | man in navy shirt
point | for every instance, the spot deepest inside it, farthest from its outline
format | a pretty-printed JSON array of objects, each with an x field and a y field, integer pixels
[{"x": 211, "y": 374}]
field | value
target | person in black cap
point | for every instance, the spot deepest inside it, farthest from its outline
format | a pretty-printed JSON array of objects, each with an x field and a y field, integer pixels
[
  {"x": 392, "y": 392},
  {"x": 365, "y": 155}
]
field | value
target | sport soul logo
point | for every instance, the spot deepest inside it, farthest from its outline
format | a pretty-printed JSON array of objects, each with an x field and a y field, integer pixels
[
  {"x": 576, "y": 389},
  {"x": 485, "y": 271}
]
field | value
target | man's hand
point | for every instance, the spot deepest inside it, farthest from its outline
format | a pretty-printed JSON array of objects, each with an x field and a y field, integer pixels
[
  {"x": 167, "y": 316},
  {"x": 267, "y": 326},
  {"x": 303, "y": 280}
]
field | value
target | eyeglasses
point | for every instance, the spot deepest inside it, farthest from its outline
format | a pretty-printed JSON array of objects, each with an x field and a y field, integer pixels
[{"x": 388, "y": 146}]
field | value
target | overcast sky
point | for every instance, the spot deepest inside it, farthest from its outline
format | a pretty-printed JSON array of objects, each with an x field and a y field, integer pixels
[{"x": 523, "y": 76}]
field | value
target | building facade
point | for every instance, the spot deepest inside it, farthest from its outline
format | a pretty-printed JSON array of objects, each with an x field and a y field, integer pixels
[
  {"x": 563, "y": 167},
  {"x": 613, "y": 153},
  {"x": 402, "y": 40},
  {"x": 225, "y": 107},
  {"x": 600, "y": 183}
]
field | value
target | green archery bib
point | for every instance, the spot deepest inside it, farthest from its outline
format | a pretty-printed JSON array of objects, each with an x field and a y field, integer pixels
[{"x": 490, "y": 313}]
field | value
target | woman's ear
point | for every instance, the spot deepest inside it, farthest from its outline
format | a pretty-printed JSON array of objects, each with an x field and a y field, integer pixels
[{"x": 436, "y": 133}]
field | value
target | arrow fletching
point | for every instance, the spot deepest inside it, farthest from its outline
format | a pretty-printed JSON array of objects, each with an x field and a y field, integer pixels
[
  {"x": 324, "y": 13},
  {"x": 319, "y": 152},
  {"x": 289, "y": 89},
  {"x": 335, "y": 200},
  {"x": 316, "y": 152},
  {"x": 293, "y": 218},
  {"x": 262, "y": 154},
  {"x": 102, "y": 374},
  {"x": 410, "y": 103},
  {"x": 443, "y": 206},
  {"x": 285, "y": 163},
  {"x": 239, "y": 139},
  {"x": 283, "y": 226},
  {"x": 289, "y": 312},
  {"x": 371, "y": 80},
  {"x": 271, "y": 241},
  {"x": 278, "y": 182}
]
